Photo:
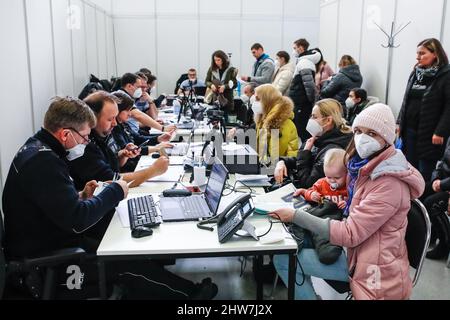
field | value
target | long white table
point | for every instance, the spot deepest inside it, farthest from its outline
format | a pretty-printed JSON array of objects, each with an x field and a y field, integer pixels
[{"x": 184, "y": 240}]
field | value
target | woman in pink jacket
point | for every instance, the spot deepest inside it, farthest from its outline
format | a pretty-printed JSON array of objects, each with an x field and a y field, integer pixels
[{"x": 381, "y": 184}]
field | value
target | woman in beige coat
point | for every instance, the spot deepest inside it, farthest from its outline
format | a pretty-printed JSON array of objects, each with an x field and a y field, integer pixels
[{"x": 284, "y": 72}]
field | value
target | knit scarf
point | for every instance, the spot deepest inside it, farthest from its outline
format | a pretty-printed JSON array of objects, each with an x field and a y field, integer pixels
[
  {"x": 353, "y": 166},
  {"x": 425, "y": 72}
]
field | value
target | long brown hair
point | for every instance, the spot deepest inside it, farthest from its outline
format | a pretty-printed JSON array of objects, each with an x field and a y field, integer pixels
[
  {"x": 223, "y": 56},
  {"x": 434, "y": 45}
]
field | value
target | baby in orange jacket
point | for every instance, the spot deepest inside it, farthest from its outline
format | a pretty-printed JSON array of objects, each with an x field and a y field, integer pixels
[{"x": 333, "y": 186}]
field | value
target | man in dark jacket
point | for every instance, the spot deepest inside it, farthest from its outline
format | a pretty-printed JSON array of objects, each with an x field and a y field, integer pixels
[
  {"x": 43, "y": 210},
  {"x": 99, "y": 162}
]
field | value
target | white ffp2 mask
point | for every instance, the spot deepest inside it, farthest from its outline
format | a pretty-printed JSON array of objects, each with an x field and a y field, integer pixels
[{"x": 366, "y": 145}]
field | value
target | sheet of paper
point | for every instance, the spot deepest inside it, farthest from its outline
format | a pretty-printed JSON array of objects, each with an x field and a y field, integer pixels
[
  {"x": 266, "y": 207},
  {"x": 251, "y": 177},
  {"x": 148, "y": 161},
  {"x": 277, "y": 195},
  {"x": 172, "y": 174}
]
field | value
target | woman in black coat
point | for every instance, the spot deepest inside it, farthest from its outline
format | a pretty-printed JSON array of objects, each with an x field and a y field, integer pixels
[
  {"x": 328, "y": 130},
  {"x": 424, "y": 119}
]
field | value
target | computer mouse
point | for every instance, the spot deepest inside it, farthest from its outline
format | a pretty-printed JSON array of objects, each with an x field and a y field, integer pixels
[
  {"x": 155, "y": 155},
  {"x": 141, "y": 231}
]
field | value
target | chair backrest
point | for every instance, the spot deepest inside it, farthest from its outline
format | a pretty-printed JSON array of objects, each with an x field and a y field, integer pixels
[
  {"x": 2, "y": 259},
  {"x": 417, "y": 236}
]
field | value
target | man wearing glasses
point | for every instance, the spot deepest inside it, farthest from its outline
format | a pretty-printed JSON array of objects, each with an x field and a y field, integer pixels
[{"x": 43, "y": 209}]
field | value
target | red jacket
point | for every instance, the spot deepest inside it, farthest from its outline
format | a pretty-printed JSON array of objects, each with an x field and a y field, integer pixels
[{"x": 323, "y": 188}]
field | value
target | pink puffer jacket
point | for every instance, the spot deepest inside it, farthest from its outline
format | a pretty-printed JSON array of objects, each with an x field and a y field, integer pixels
[{"x": 374, "y": 232}]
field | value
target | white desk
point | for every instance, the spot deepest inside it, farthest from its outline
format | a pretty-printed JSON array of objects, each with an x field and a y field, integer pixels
[{"x": 184, "y": 240}]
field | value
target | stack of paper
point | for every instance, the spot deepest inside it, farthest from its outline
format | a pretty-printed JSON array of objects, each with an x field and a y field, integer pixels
[{"x": 253, "y": 180}]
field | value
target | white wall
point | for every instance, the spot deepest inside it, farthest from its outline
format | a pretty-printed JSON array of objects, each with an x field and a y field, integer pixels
[
  {"x": 346, "y": 27},
  {"x": 41, "y": 57},
  {"x": 170, "y": 36}
]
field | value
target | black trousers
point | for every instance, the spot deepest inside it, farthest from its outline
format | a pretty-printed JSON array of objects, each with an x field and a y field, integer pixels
[
  {"x": 436, "y": 205},
  {"x": 301, "y": 117}
]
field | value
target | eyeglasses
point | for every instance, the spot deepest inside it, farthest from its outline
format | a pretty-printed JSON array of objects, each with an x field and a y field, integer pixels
[{"x": 86, "y": 140}]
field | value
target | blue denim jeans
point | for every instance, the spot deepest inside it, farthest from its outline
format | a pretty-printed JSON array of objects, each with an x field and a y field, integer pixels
[{"x": 311, "y": 267}]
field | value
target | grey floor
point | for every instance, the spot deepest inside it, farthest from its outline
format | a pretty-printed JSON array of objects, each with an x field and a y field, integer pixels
[{"x": 434, "y": 282}]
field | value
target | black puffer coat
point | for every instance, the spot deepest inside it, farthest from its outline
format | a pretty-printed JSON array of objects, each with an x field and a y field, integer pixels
[
  {"x": 307, "y": 168},
  {"x": 442, "y": 171},
  {"x": 339, "y": 86},
  {"x": 434, "y": 115}
]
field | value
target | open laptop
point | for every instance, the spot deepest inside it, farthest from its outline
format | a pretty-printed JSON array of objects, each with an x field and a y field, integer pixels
[{"x": 197, "y": 206}]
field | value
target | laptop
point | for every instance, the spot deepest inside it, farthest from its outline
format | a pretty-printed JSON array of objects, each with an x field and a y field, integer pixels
[{"x": 196, "y": 207}]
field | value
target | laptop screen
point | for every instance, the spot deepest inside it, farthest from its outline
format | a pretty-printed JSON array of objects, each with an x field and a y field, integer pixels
[{"x": 214, "y": 188}]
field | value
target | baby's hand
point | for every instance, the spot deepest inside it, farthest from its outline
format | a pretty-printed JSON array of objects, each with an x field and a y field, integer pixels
[
  {"x": 315, "y": 196},
  {"x": 341, "y": 204}
]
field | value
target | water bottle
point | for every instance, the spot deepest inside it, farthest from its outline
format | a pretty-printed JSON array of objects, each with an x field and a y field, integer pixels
[
  {"x": 238, "y": 88},
  {"x": 199, "y": 171}
]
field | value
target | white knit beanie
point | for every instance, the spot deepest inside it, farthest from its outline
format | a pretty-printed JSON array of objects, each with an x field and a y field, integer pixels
[{"x": 379, "y": 118}]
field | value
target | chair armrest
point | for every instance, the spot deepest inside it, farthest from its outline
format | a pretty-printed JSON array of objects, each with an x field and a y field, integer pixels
[{"x": 56, "y": 257}]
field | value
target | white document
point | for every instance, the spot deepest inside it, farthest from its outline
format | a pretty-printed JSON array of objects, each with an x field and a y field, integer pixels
[
  {"x": 173, "y": 174},
  {"x": 148, "y": 161},
  {"x": 122, "y": 208},
  {"x": 251, "y": 177},
  {"x": 266, "y": 207},
  {"x": 233, "y": 147},
  {"x": 277, "y": 195}
]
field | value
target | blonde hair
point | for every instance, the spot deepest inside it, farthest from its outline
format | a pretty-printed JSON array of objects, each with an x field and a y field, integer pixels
[
  {"x": 333, "y": 157},
  {"x": 332, "y": 108},
  {"x": 270, "y": 97}
]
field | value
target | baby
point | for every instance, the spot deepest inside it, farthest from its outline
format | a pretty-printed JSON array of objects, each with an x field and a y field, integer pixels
[{"x": 333, "y": 186}]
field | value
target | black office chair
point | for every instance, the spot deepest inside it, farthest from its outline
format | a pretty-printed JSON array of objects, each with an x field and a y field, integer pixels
[
  {"x": 417, "y": 239},
  {"x": 27, "y": 271}
]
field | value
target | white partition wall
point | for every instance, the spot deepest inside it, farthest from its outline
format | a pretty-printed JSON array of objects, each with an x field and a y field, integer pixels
[
  {"x": 357, "y": 35},
  {"x": 49, "y": 47},
  {"x": 171, "y": 36}
]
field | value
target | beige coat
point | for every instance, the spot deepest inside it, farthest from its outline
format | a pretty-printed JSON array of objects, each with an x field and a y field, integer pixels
[{"x": 282, "y": 78}]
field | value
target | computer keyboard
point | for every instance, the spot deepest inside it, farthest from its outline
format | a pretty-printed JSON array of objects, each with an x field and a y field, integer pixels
[{"x": 142, "y": 212}]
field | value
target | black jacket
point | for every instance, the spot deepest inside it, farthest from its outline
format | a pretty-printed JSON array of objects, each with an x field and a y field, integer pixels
[
  {"x": 442, "y": 171},
  {"x": 434, "y": 115},
  {"x": 42, "y": 208},
  {"x": 307, "y": 168},
  {"x": 303, "y": 90},
  {"x": 124, "y": 135},
  {"x": 340, "y": 84},
  {"x": 99, "y": 163}
]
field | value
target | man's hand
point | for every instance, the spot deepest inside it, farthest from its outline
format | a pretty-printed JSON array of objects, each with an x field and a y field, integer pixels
[
  {"x": 88, "y": 191},
  {"x": 231, "y": 133},
  {"x": 213, "y": 88},
  {"x": 245, "y": 78},
  {"x": 146, "y": 97},
  {"x": 130, "y": 151},
  {"x": 221, "y": 89},
  {"x": 280, "y": 172},
  {"x": 437, "y": 140},
  {"x": 165, "y": 145},
  {"x": 284, "y": 215},
  {"x": 165, "y": 137},
  {"x": 161, "y": 165},
  {"x": 310, "y": 143},
  {"x": 124, "y": 186},
  {"x": 170, "y": 128},
  {"x": 436, "y": 185}
]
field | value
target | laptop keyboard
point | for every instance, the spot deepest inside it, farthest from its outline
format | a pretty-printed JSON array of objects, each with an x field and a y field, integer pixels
[
  {"x": 142, "y": 212},
  {"x": 192, "y": 206}
]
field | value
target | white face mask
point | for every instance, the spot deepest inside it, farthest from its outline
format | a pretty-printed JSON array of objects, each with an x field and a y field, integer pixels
[
  {"x": 349, "y": 103},
  {"x": 277, "y": 64},
  {"x": 314, "y": 128},
  {"x": 366, "y": 145},
  {"x": 76, "y": 152},
  {"x": 138, "y": 93},
  {"x": 257, "y": 107},
  {"x": 245, "y": 99},
  {"x": 295, "y": 53}
]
